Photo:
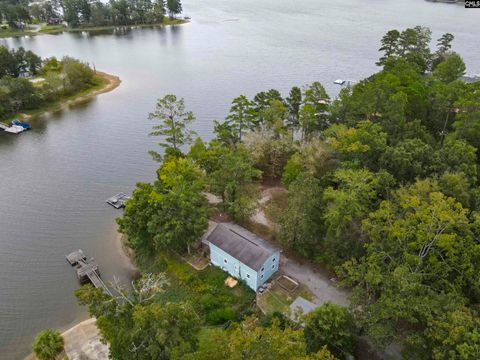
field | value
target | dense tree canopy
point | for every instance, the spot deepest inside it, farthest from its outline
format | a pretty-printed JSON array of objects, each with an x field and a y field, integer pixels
[
  {"x": 48, "y": 345},
  {"x": 170, "y": 213},
  {"x": 381, "y": 186},
  {"x": 59, "y": 78}
]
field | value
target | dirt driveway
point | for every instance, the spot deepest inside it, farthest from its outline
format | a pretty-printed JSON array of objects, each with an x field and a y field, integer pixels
[{"x": 318, "y": 283}]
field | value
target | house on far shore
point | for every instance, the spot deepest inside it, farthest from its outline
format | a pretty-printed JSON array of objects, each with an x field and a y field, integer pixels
[{"x": 242, "y": 254}]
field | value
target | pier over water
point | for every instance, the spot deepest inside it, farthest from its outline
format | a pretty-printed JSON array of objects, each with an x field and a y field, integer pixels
[{"x": 87, "y": 270}]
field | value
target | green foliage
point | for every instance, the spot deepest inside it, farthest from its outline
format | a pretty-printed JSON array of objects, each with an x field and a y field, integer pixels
[
  {"x": 248, "y": 340},
  {"x": 242, "y": 118},
  {"x": 467, "y": 121},
  {"x": 269, "y": 155},
  {"x": 17, "y": 62},
  {"x": 48, "y": 345},
  {"x": 76, "y": 75},
  {"x": 234, "y": 180},
  {"x": 294, "y": 101},
  {"x": 361, "y": 146},
  {"x": 83, "y": 13},
  {"x": 313, "y": 157},
  {"x": 412, "y": 44},
  {"x": 61, "y": 79},
  {"x": 332, "y": 326},
  {"x": 174, "y": 7},
  {"x": 313, "y": 116},
  {"x": 171, "y": 213},
  {"x": 213, "y": 301},
  {"x": 356, "y": 193},
  {"x": 420, "y": 262},
  {"x": 292, "y": 170},
  {"x": 136, "y": 326},
  {"x": 301, "y": 223},
  {"x": 383, "y": 185},
  {"x": 174, "y": 122},
  {"x": 450, "y": 69}
]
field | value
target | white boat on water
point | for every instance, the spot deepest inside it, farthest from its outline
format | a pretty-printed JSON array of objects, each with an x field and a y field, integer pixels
[
  {"x": 15, "y": 129},
  {"x": 339, "y": 82}
]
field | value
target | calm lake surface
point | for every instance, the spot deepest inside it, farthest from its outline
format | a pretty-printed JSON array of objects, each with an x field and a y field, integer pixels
[{"x": 54, "y": 179}]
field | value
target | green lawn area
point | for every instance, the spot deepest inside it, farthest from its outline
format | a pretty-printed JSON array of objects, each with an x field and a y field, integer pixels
[
  {"x": 52, "y": 28},
  {"x": 277, "y": 299},
  {"x": 205, "y": 289},
  {"x": 14, "y": 33}
]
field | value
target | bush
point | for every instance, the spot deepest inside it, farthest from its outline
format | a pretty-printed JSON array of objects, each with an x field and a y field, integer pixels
[
  {"x": 77, "y": 75},
  {"x": 48, "y": 345},
  {"x": 220, "y": 316},
  {"x": 333, "y": 326}
]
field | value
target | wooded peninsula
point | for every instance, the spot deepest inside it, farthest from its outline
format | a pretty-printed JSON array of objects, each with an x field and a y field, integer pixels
[
  {"x": 379, "y": 185},
  {"x": 31, "y": 86}
]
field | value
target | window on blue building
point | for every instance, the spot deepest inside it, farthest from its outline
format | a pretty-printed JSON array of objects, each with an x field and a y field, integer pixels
[
  {"x": 248, "y": 276},
  {"x": 225, "y": 261}
]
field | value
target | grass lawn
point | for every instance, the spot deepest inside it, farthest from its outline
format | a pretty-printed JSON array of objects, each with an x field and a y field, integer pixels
[
  {"x": 205, "y": 289},
  {"x": 52, "y": 28},
  {"x": 4, "y": 33},
  {"x": 277, "y": 299}
]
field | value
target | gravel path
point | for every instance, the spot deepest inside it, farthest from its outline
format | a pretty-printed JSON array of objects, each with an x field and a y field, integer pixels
[{"x": 318, "y": 283}]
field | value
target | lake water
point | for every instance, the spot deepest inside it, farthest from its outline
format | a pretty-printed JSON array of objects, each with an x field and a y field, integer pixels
[{"x": 54, "y": 179}]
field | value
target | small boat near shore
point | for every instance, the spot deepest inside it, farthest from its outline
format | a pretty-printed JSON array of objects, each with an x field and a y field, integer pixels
[
  {"x": 13, "y": 129},
  {"x": 24, "y": 125},
  {"x": 16, "y": 127}
]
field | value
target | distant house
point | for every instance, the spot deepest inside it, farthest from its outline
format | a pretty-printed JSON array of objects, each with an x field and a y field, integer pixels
[{"x": 242, "y": 254}]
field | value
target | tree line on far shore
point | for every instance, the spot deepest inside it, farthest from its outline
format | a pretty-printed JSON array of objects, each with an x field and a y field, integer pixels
[{"x": 88, "y": 13}]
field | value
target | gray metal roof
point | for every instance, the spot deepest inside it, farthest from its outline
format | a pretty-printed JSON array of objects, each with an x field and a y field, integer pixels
[{"x": 241, "y": 244}]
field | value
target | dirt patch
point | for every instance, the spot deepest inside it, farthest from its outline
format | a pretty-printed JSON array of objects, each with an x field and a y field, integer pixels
[
  {"x": 287, "y": 283},
  {"x": 198, "y": 262}
]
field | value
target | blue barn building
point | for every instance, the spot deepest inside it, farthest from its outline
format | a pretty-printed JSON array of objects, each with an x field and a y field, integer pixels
[{"x": 242, "y": 254}]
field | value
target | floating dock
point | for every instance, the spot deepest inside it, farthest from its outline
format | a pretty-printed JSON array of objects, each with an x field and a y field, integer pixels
[
  {"x": 118, "y": 201},
  {"x": 13, "y": 129},
  {"x": 87, "y": 270}
]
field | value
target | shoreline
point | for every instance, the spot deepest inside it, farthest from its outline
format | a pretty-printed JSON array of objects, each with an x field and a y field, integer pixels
[
  {"x": 84, "y": 331},
  {"x": 109, "y": 83},
  {"x": 15, "y": 34}
]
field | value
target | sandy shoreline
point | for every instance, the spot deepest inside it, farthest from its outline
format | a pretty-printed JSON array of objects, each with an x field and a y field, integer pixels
[
  {"x": 112, "y": 82},
  {"x": 85, "y": 333}
]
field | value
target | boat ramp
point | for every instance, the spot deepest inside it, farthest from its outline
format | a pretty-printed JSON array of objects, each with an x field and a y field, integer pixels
[{"x": 87, "y": 270}]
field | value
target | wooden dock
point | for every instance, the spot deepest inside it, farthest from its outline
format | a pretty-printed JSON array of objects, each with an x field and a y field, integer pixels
[
  {"x": 87, "y": 270},
  {"x": 118, "y": 201}
]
